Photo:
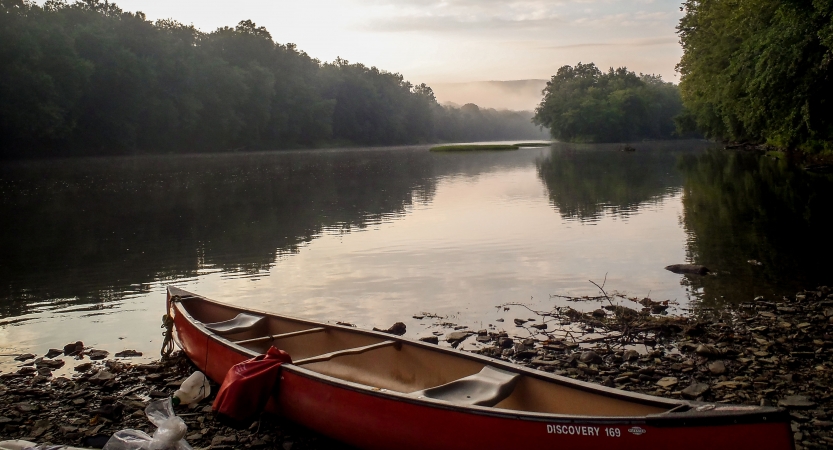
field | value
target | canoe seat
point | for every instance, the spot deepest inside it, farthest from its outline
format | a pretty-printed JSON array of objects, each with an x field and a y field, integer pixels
[
  {"x": 243, "y": 322},
  {"x": 485, "y": 388}
]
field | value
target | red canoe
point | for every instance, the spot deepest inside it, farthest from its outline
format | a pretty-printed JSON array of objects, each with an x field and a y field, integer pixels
[{"x": 376, "y": 391}]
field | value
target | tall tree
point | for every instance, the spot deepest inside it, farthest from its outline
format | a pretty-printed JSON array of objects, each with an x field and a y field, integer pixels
[{"x": 759, "y": 70}]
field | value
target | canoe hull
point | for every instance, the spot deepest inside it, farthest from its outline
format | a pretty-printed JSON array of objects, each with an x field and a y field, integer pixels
[{"x": 373, "y": 420}]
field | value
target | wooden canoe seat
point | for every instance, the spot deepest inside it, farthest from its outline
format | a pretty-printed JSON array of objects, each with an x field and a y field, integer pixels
[
  {"x": 485, "y": 388},
  {"x": 242, "y": 322}
]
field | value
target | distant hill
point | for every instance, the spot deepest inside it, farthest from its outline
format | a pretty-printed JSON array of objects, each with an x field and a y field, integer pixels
[{"x": 520, "y": 95}]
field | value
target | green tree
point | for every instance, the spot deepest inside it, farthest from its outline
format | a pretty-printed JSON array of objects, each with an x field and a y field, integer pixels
[
  {"x": 583, "y": 104},
  {"x": 758, "y": 70}
]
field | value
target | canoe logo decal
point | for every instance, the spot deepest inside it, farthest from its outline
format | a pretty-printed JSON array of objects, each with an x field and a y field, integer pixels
[{"x": 637, "y": 430}]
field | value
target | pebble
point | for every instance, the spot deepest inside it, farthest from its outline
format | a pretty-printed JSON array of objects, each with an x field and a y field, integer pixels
[
  {"x": 695, "y": 390},
  {"x": 667, "y": 382},
  {"x": 717, "y": 367}
]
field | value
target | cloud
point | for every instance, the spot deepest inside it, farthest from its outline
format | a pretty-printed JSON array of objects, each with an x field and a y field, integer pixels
[
  {"x": 459, "y": 24},
  {"x": 649, "y": 42},
  {"x": 493, "y": 15}
]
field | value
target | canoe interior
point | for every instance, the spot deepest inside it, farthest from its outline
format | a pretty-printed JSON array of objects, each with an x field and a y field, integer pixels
[{"x": 409, "y": 367}]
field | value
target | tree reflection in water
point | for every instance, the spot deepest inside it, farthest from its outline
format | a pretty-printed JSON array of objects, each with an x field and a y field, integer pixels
[
  {"x": 741, "y": 207},
  {"x": 93, "y": 230}
]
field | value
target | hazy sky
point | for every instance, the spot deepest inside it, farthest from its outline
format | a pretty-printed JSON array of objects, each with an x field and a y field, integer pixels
[{"x": 455, "y": 40}]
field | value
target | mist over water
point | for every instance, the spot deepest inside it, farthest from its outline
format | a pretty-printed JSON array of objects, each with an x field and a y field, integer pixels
[{"x": 375, "y": 236}]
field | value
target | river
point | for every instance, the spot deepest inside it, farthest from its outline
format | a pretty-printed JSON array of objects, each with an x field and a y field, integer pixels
[{"x": 373, "y": 236}]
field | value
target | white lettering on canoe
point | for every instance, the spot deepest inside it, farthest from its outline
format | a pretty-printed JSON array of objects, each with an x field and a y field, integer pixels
[{"x": 575, "y": 430}]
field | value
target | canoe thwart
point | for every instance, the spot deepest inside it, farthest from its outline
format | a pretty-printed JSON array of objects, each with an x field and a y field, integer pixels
[
  {"x": 242, "y": 322},
  {"x": 349, "y": 351},
  {"x": 272, "y": 337},
  {"x": 485, "y": 388}
]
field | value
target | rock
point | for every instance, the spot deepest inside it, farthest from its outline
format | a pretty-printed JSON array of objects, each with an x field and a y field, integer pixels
[
  {"x": 397, "y": 329},
  {"x": 96, "y": 355},
  {"x": 155, "y": 377},
  {"x": 112, "y": 411},
  {"x": 539, "y": 326},
  {"x": 821, "y": 423},
  {"x": 796, "y": 402},
  {"x": 667, "y": 382},
  {"x": 695, "y": 390},
  {"x": 128, "y": 354},
  {"x": 599, "y": 313},
  {"x": 51, "y": 364},
  {"x": 83, "y": 367},
  {"x": 53, "y": 352},
  {"x": 706, "y": 350},
  {"x": 430, "y": 339},
  {"x": 24, "y": 357},
  {"x": 717, "y": 367},
  {"x": 688, "y": 268},
  {"x": 223, "y": 440},
  {"x": 591, "y": 357},
  {"x": 26, "y": 407},
  {"x": 74, "y": 348},
  {"x": 520, "y": 322},
  {"x": 101, "y": 377},
  {"x": 505, "y": 342},
  {"x": 27, "y": 370},
  {"x": 456, "y": 337},
  {"x": 630, "y": 355}
]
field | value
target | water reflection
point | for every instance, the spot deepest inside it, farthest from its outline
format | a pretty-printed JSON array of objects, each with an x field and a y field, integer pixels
[
  {"x": 586, "y": 182},
  {"x": 373, "y": 236},
  {"x": 97, "y": 230},
  {"x": 741, "y": 207}
]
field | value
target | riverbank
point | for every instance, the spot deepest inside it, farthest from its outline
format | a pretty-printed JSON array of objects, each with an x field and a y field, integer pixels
[
  {"x": 764, "y": 352},
  {"x": 103, "y": 397}
]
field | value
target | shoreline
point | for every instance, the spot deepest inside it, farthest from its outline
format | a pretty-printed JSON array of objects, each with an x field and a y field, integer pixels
[{"x": 763, "y": 352}]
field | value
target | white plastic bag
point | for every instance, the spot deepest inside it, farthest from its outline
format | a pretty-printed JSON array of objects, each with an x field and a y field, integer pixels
[{"x": 169, "y": 434}]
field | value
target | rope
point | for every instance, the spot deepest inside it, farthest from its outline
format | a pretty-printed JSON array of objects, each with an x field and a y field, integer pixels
[{"x": 168, "y": 325}]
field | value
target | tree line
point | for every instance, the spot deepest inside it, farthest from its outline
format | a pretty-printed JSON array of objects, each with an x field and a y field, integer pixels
[
  {"x": 759, "y": 71},
  {"x": 90, "y": 78},
  {"x": 583, "y": 104}
]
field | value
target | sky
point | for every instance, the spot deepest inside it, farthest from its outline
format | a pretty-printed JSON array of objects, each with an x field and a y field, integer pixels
[{"x": 455, "y": 41}]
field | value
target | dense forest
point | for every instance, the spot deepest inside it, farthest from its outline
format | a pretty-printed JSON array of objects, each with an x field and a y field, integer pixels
[
  {"x": 759, "y": 71},
  {"x": 89, "y": 78},
  {"x": 583, "y": 104}
]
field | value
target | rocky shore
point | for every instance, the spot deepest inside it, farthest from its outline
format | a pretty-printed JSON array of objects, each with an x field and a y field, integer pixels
[
  {"x": 767, "y": 351},
  {"x": 106, "y": 396}
]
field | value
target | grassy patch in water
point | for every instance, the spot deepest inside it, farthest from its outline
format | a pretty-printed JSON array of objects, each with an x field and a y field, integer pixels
[
  {"x": 473, "y": 147},
  {"x": 534, "y": 144}
]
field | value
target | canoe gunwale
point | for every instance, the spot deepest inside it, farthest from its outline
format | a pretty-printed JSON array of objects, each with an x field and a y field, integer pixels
[{"x": 688, "y": 418}]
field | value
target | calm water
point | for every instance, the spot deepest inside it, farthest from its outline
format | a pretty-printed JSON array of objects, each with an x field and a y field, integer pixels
[{"x": 374, "y": 236}]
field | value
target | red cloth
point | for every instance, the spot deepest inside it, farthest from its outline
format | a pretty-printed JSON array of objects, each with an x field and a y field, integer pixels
[{"x": 249, "y": 384}]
